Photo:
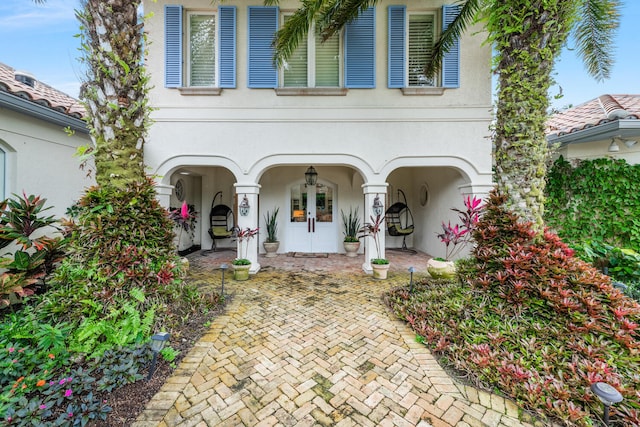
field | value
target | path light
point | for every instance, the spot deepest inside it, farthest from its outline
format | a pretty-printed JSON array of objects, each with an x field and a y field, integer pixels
[
  {"x": 158, "y": 341},
  {"x": 223, "y": 267},
  {"x": 411, "y": 270},
  {"x": 377, "y": 207},
  {"x": 607, "y": 395}
]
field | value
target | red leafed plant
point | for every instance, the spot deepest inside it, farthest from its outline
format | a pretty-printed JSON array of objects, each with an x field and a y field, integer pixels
[
  {"x": 533, "y": 321},
  {"x": 456, "y": 237}
]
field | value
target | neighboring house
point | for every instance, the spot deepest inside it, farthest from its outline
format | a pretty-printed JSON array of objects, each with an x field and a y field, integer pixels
[
  {"x": 605, "y": 126},
  {"x": 357, "y": 108},
  {"x": 36, "y": 154}
]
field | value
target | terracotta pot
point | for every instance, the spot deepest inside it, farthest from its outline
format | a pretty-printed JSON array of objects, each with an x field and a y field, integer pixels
[
  {"x": 380, "y": 271},
  {"x": 241, "y": 272},
  {"x": 271, "y": 248},
  {"x": 351, "y": 248},
  {"x": 441, "y": 269}
]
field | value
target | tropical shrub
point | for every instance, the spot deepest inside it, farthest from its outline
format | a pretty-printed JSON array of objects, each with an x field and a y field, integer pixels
[
  {"x": 533, "y": 321},
  {"x": 21, "y": 229},
  {"x": 456, "y": 237}
]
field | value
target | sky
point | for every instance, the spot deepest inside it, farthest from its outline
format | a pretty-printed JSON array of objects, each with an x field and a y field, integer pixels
[{"x": 40, "y": 39}]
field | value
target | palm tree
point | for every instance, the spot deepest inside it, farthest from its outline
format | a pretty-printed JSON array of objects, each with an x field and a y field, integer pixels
[
  {"x": 527, "y": 36},
  {"x": 115, "y": 92}
]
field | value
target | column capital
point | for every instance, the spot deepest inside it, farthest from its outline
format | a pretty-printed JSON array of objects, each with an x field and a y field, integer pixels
[
  {"x": 369, "y": 188},
  {"x": 247, "y": 188}
]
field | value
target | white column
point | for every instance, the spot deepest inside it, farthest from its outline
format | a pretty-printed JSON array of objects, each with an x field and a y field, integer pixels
[
  {"x": 163, "y": 194},
  {"x": 370, "y": 192},
  {"x": 249, "y": 221}
]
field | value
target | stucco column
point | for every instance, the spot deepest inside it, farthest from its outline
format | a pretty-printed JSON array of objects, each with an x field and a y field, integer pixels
[
  {"x": 479, "y": 190},
  {"x": 163, "y": 194},
  {"x": 251, "y": 221},
  {"x": 370, "y": 192}
]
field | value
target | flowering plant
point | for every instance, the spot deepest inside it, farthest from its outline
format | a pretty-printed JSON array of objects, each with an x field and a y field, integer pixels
[
  {"x": 457, "y": 236},
  {"x": 185, "y": 217},
  {"x": 372, "y": 229},
  {"x": 242, "y": 235}
]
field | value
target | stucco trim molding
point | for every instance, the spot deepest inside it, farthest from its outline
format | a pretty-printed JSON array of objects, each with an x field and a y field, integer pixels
[
  {"x": 311, "y": 91},
  {"x": 200, "y": 91},
  {"x": 422, "y": 91}
]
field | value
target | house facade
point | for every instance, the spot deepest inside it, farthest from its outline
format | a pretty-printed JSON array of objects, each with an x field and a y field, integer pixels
[
  {"x": 606, "y": 126},
  {"x": 37, "y": 155},
  {"x": 357, "y": 108}
]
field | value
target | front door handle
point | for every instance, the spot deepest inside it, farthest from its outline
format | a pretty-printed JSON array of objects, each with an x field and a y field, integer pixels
[
  {"x": 313, "y": 222},
  {"x": 308, "y": 225}
]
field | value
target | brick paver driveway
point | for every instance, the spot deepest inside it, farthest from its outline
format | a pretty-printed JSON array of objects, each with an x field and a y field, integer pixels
[{"x": 315, "y": 348}]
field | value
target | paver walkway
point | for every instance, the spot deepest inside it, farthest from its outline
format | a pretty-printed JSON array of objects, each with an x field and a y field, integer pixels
[{"x": 316, "y": 348}]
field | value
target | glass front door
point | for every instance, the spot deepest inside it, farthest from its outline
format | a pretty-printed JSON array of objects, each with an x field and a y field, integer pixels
[{"x": 312, "y": 218}]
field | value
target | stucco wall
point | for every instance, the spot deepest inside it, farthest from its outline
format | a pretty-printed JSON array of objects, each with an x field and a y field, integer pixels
[{"x": 40, "y": 160}]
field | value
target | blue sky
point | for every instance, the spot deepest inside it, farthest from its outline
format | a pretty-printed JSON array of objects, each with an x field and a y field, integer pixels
[{"x": 40, "y": 39}]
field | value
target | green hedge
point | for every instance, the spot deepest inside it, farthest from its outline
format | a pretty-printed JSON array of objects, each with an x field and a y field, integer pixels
[{"x": 596, "y": 200}]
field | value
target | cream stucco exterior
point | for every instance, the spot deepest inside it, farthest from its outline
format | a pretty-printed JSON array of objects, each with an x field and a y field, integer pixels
[
  {"x": 39, "y": 159},
  {"x": 363, "y": 143}
]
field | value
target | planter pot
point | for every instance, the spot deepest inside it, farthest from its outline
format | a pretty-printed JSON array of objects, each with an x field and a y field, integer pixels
[
  {"x": 271, "y": 249},
  {"x": 351, "y": 248},
  {"x": 441, "y": 269},
  {"x": 380, "y": 271},
  {"x": 241, "y": 272}
]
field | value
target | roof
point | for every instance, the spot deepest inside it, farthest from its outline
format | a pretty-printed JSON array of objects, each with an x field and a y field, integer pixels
[
  {"x": 40, "y": 93},
  {"x": 598, "y": 111}
]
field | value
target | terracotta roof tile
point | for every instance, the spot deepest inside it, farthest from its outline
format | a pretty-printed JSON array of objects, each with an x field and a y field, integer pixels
[
  {"x": 40, "y": 93},
  {"x": 603, "y": 109}
]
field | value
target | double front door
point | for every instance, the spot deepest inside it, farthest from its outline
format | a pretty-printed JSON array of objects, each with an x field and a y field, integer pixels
[{"x": 312, "y": 219}]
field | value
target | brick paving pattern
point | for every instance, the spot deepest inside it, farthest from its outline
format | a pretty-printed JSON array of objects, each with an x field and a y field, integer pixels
[{"x": 308, "y": 342}]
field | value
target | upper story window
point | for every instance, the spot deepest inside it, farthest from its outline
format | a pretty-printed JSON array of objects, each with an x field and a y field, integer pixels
[
  {"x": 347, "y": 60},
  {"x": 420, "y": 48},
  {"x": 200, "y": 48},
  {"x": 201, "y": 60},
  {"x": 411, "y": 40},
  {"x": 314, "y": 64}
]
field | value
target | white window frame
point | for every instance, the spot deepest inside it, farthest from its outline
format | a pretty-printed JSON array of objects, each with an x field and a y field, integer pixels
[
  {"x": 437, "y": 80},
  {"x": 311, "y": 60},
  {"x": 187, "y": 43}
]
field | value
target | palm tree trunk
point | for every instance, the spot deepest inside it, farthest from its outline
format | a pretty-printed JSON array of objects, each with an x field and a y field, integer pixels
[
  {"x": 525, "y": 62},
  {"x": 115, "y": 89}
]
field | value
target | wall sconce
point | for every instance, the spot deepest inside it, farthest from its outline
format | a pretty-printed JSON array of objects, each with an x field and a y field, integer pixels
[
  {"x": 628, "y": 142},
  {"x": 608, "y": 396},
  {"x": 377, "y": 207},
  {"x": 158, "y": 341},
  {"x": 614, "y": 147},
  {"x": 311, "y": 176},
  {"x": 244, "y": 206}
]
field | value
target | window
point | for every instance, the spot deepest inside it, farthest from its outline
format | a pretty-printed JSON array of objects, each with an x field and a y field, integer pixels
[
  {"x": 421, "y": 28},
  {"x": 204, "y": 55},
  {"x": 314, "y": 64},
  {"x": 411, "y": 39},
  {"x": 202, "y": 49}
]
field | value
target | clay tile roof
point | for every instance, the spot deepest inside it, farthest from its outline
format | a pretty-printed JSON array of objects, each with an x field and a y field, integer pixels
[
  {"x": 603, "y": 109},
  {"x": 40, "y": 93}
]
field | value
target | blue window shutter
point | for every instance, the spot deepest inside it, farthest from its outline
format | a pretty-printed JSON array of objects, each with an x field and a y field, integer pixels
[
  {"x": 172, "y": 46},
  {"x": 263, "y": 23},
  {"x": 397, "y": 47},
  {"x": 360, "y": 51},
  {"x": 227, "y": 46},
  {"x": 451, "y": 60}
]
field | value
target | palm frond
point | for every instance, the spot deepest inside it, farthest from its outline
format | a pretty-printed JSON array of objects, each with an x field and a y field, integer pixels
[
  {"x": 294, "y": 30},
  {"x": 338, "y": 13},
  {"x": 596, "y": 26},
  {"x": 467, "y": 15}
]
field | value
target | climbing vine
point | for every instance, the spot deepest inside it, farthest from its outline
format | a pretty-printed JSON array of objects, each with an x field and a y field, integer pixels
[{"x": 595, "y": 200}]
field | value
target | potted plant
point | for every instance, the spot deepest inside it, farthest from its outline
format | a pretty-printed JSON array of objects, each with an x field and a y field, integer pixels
[
  {"x": 271, "y": 244},
  {"x": 351, "y": 225},
  {"x": 241, "y": 266},
  {"x": 372, "y": 229},
  {"x": 185, "y": 219},
  {"x": 455, "y": 239}
]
